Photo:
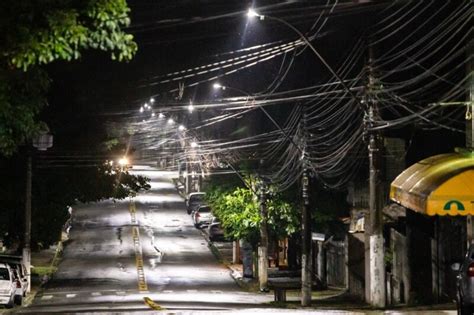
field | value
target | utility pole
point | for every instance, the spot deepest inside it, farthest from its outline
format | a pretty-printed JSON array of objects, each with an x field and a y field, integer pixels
[
  {"x": 470, "y": 125},
  {"x": 42, "y": 142},
  {"x": 27, "y": 239},
  {"x": 306, "y": 256},
  {"x": 306, "y": 261},
  {"x": 377, "y": 290},
  {"x": 263, "y": 248}
]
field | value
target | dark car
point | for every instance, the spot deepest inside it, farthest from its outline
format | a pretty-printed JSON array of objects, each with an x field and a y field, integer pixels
[
  {"x": 194, "y": 200},
  {"x": 215, "y": 231},
  {"x": 465, "y": 283}
]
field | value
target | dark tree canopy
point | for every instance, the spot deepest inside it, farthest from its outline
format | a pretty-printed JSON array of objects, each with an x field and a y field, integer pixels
[{"x": 35, "y": 33}]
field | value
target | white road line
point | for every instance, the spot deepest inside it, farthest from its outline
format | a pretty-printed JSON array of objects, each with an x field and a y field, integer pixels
[
  {"x": 120, "y": 293},
  {"x": 70, "y": 295},
  {"x": 46, "y": 297},
  {"x": 96, "y": 294},
  {"x": 191, "y": 291},
  {"x": 168, "y": 291}
]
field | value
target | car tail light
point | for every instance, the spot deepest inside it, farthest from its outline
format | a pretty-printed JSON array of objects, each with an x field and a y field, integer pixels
[
  {"x": 470, "y": 270},
  {"x": 18, "y": 283}
]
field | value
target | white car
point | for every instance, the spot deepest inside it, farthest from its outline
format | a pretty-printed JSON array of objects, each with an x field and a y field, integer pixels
[
  {"x": 202, "y": 216},
  {"x": 8, "y": 286},
  {"x": 19, "y": 275},
  {"x": 21, "y": 287}
]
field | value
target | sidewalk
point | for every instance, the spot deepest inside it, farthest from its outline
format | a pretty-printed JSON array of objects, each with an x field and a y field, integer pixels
[
  {"x": 328, "y": 299},
  {"x": 43, "y": 265}
]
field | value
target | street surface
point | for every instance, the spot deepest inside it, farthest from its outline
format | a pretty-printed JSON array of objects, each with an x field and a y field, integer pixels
[{"x": 122, "y": 252}]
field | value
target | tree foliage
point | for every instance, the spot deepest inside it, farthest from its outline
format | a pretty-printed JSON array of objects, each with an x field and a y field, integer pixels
[
  {"x": 35, "y": 33},
  {"x": 239, "y": 212},
  {"x": 39, "y": 32},
  {"x": 53, "y": 190}
]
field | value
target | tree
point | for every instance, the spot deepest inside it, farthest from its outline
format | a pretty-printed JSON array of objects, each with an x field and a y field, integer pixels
[
  {"x": 239, "y": 213},
  {"x": 35, "y": 33}
]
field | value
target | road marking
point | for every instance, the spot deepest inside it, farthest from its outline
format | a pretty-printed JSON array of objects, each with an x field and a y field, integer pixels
[
  {"x": 133, "y": 212},
  {"x": 96, "y": 294},
  {"x": 168, "y": 291},
  {"x": 142, "y": 286},
  {"x": 120, "y": 292},
  {"x": 152, "y": 304},
  {"x": 191, "y": 291},
  {"x": 70, "y": 295},
  {"x": 217, "y": 291},
  {"x": 46, "y": 297}
]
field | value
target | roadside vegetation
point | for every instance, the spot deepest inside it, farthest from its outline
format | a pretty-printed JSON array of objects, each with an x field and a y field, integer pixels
[
  {"x": 238, "y": 209},
  {"x": 33, "y": 36}
]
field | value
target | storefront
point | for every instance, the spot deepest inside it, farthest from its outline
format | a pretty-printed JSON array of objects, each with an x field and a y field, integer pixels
[{"x": 439, "y": 195}]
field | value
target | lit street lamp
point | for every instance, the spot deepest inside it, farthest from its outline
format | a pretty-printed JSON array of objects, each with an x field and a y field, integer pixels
[{"x": 251, "y": 13}]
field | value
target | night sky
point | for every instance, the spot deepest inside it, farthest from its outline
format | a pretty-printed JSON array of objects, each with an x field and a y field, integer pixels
[{"x": 177, "y": 35}]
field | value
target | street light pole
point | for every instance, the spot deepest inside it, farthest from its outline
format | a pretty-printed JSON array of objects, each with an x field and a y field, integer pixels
[
  {"x": 253, "y": 13},
  {"x": 42, "y": 142}
]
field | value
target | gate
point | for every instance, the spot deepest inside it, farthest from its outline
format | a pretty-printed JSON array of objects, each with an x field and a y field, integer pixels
[{"x": 336, "y": 264}]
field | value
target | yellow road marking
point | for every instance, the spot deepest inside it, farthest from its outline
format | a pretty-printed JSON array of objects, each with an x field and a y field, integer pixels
[
  {"x": 133, "y": 212},
  {"x": 152, "y": 304},
  {"x": 142, "y": 286}
]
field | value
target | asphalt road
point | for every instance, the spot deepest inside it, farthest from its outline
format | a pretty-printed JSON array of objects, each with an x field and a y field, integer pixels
[{"x": 121, "y": 252}]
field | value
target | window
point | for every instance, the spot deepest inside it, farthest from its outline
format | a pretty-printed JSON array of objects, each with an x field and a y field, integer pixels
[{"x": 4, "y": 274}]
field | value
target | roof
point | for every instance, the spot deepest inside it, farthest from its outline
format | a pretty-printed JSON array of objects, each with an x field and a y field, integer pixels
[{"x": 439, "y": 185}]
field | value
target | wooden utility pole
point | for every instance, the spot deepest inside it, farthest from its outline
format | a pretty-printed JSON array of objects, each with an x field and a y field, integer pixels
[
  {"x": 263, "y": 248},
  {"x": 376, "y": 273}
]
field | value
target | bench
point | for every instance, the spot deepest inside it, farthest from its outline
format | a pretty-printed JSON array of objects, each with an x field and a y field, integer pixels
[{"x": 281, "y": 284}]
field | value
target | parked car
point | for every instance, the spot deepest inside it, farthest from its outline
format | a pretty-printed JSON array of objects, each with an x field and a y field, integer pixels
[
  {"x": 202, "y": 215},
  {"x": 8, "y": 286},
  {"x": 194, "y": 200},
  {"x": 465, "y": 283},
  {"x": 215, "y": 231},
  {"x": 20, "y": 274},
  {"x": 20, "y": 288}
]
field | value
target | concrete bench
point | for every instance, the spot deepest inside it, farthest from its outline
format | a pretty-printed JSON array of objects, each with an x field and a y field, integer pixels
[{"x": 281, "y": 284}]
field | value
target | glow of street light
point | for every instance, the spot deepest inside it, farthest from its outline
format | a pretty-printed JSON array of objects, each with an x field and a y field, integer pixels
[
  {"x": 160, "y": 115},
  {"x": 170, "y": 121},
  {"x": 251, "y": 13},
  {"x": 193, "y": 144},
  {"x": 152, "y": 100},
  {"x": 152, "y": 114},
  {"x": 146, "y": 105},
  {"x": 141, "y": 109},
  {"x": 123, "y": 161},
  {"x": 190, "y": 108},
  {"x": 217, "y": 86},
  {"x": 181, "y": 128}
]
